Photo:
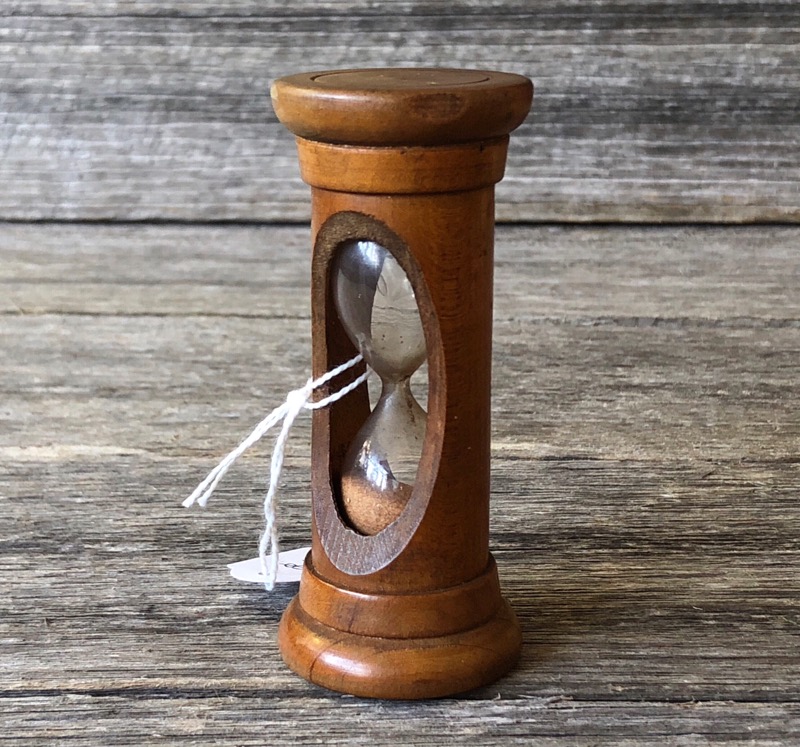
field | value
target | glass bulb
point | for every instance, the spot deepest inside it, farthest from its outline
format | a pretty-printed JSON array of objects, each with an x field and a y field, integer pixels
[{"x": 378, "y": 308}]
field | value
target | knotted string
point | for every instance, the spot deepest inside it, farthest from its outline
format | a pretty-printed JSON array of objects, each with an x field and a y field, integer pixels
[{"x": 296, "y": 401}]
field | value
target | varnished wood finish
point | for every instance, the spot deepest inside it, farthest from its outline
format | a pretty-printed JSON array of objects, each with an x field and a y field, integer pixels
[
  {"x": 400, "y": 668},
  {"x": 438, "y": 223},
  {"x": 451, "y": 543},
  {"x": 374, "y": 170},
  {"x": 406, "y": 106},
  {"x": 450, "y": 610}
]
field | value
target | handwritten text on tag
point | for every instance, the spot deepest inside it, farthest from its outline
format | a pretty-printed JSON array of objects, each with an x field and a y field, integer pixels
[{"x": 290, "y": 563}]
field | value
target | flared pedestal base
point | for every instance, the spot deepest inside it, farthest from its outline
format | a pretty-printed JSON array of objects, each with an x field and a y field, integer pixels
[{"x": 399, "y": 668}]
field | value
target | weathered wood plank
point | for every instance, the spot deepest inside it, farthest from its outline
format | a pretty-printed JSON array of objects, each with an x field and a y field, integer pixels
[
  {"x": 609, "y": 392},
  {"x": 645, "y": 483},
  {"x": 718, "y": 604},
  {"x": 644, "y": 111},
  {"x": 626, "y": 595},
  {"x": 695, "y": 331},
  {"x": 748, "y": 276},
  {"x": 117, "y": 720}
]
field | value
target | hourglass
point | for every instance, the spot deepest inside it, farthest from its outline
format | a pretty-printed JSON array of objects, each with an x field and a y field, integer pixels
[
  {"x": 399, "y": 596},
  {"x": 378, "y": 308}
]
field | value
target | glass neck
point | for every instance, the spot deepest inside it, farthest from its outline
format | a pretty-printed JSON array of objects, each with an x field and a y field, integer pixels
[{"x": 396, "y": 387}]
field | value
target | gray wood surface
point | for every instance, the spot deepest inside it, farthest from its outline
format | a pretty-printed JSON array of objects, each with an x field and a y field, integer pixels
[
  {"x": 645, "y": 494},
  {"x": 644, "y": 111}
]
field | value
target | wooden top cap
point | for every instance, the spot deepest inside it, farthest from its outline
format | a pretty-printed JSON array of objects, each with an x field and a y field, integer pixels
[{"x": 402, "y": 106}]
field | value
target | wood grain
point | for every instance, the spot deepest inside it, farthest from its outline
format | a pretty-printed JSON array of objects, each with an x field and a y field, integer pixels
[
  {"x": 744, "y": 277},
  {"x": 645, "y": 482},
  {"x": 645, "y": 111},
  {"x": 427, "y": 559}
]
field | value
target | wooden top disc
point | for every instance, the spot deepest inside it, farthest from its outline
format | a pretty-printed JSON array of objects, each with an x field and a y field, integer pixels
[{"x": 402, "y": 106}]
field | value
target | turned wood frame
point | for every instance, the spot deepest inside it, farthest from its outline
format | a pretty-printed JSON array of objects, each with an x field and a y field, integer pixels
[{"x": 407, "y": 159}]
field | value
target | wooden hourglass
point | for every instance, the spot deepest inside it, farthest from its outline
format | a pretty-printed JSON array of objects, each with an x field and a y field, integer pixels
[{"x": 399, "y": 596}]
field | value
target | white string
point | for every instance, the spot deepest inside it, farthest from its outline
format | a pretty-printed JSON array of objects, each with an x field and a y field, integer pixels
[{"x": 296, "y": 401}]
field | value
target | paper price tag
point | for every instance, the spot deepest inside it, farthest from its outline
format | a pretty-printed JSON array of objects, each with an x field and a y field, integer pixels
[{"x": 290, "y": 564}]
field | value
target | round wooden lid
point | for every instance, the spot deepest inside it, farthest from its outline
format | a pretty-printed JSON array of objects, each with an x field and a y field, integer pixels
[{"x": 402, "y": 106}]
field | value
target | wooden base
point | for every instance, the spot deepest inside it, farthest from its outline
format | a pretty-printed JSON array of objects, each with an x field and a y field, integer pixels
[{"x": 424, "y": 666}]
